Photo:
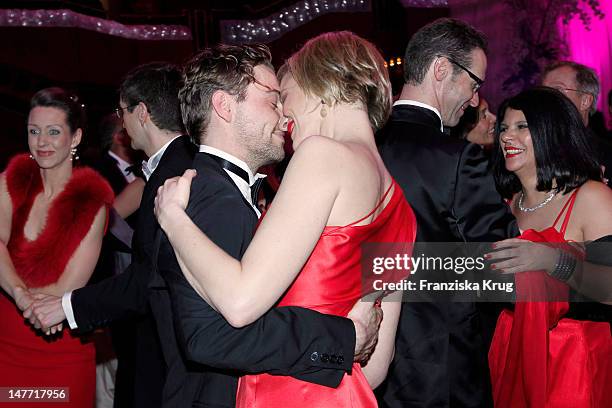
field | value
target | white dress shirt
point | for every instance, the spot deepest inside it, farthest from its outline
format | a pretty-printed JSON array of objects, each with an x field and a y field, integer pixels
[{"x": 149, "y": 166}]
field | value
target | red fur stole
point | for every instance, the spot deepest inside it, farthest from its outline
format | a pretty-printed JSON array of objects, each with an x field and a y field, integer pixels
[{"x": 70, "y": 216}]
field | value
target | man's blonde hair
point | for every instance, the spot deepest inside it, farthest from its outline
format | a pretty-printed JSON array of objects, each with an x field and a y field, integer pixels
[{"x": 343, "y": 67}]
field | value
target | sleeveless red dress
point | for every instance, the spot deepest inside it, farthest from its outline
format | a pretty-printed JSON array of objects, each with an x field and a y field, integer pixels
[
  {"x": 540, "y": 359},
  {"x": 28, "y": 358},
  {"x": 331, "y": 282}
]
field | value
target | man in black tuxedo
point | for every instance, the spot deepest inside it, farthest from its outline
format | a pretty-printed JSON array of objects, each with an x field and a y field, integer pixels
[
  {"x": 440, "y": 356},
  {"x": 116, "y": 159},
  {"x": 115, "y": 162},
  {"x": 155, "y": 373}
]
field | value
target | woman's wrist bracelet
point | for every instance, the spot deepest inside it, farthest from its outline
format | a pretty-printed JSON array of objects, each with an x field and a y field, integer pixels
[{"x": 565, "y": 266}]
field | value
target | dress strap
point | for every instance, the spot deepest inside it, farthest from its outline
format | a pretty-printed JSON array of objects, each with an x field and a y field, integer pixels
[
  {"x": 569, "y": 205},
  {"x": 382, "y": 200}
]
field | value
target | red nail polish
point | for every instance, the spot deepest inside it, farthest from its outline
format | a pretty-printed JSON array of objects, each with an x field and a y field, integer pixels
[
  {"x": 493, "y": 266},
  {"x": 290, "y": 125}
]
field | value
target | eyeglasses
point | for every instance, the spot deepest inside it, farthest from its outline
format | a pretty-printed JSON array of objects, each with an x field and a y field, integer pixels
[
  {"x": 564, "y": 90},
  {"x": 119, "y": 111},
  {"x": 479, "y": 82}
]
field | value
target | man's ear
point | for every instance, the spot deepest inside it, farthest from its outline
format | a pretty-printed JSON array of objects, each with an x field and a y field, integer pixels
[
  {"x": 142, "y": 112},
  {"x": 586, "y": 100},
  {"x": 441, "y": 68},
  {"x": 223, "y": 105}
]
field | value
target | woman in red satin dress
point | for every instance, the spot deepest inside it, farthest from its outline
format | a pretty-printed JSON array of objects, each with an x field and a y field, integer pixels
[
  {"x": 336, "y": 195},
  {"x": 52, "y": 220},
  {"x": 543, "y": 354}
]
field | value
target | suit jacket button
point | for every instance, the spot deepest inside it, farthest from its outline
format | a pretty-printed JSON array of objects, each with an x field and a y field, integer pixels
[
  {"x": 314, "y": 356},
  {"x": 325, "y": 358},
  {"x": 340, "y": 360},
  {"x": 333, "y": 358}
]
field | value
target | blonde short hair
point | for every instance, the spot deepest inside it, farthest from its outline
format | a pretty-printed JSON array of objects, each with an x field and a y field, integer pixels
[{"x": 343, "y": 67}]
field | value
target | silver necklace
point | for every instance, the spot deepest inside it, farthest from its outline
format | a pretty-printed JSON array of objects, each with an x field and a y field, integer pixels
[{"x": 531, "y": 209}]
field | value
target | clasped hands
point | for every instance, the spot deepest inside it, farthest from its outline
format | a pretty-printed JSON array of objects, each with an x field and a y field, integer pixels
[{"x": 43, "y": 311}]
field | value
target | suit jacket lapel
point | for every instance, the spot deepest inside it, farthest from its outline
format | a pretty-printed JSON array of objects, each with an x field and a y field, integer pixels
[
  {"x": 204, "y": 160},
  {"x": 203, "y": 164}
]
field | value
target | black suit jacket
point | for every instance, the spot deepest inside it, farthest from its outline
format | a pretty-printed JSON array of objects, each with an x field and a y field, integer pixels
[
  {"x": 603, "y": 149},
  {"x": 440, "y": 357},
  {"x": 141, "y": 371},
  {"x": 285, "y": 341}
]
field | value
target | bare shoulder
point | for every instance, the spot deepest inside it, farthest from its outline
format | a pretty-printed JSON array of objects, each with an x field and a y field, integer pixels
[
  {"x": 594, "y": 209},
  {"x": 594, "y": 195},
  {"x": 326, "y": 152},
  {"x": 321, "y": 146},
  {"x": 322, "y": 154}
]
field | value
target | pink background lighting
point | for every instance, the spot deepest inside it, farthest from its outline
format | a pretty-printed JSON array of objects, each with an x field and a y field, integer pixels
[{"x": 594, "y": 49}]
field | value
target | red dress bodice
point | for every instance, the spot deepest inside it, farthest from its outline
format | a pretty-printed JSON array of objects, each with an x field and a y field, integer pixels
[
  {"x": 331, "y": 282},
  {"x": 538, "y": 358}
]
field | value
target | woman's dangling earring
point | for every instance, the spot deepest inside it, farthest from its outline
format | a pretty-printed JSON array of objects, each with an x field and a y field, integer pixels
[
  {"x": 73, "y": 153},
  {"x": 31, "y": 157},
  {"x": 323, "y": 111}
]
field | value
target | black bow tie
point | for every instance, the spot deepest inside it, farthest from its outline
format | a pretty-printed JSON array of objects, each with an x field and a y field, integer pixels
[
  {"x": 255, "y": 187},
  {"x": 240, "y": 172},
  {"x": 135, "y": 169}
]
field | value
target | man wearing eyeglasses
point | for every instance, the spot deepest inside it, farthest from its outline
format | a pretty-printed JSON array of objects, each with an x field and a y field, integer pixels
[
  {"x": 580, "y": 85},
  {"x": 440, "y": 351},
  {"x": 576, "y": 81}
]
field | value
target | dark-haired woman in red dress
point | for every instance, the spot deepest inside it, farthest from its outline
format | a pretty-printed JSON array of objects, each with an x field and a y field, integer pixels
[
  {"x": 52, "y": 219},
  {"x": 548, "y": 351}
]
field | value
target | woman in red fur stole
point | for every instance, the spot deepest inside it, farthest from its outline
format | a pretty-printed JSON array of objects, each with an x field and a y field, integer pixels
[{"x": 52, "y": 219}]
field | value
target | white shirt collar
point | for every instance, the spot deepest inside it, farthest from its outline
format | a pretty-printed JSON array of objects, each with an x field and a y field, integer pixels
[
  {"x": 123, "y": 165},
  {"x": 230, "y": 158},
  {"x": 421, "y": 105},
  {"x": 149, "y": 166},
  {"x": 243, "y": 186}
]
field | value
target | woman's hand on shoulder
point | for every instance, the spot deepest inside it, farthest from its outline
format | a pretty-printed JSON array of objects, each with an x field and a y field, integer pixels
[{"x": 172, "y": 198}]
